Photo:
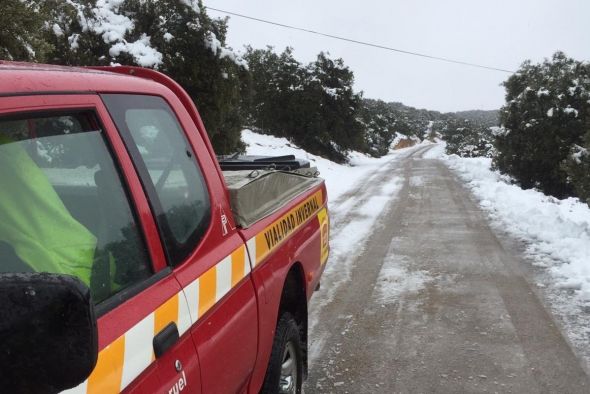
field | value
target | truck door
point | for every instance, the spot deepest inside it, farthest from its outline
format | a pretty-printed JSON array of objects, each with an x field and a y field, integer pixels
[
  {"x": 202, "y": 245},
  {"x": 71, "y": 203}
]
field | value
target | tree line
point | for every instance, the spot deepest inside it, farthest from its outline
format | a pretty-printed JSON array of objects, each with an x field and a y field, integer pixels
[
  {"x": 314, "y": 105},
  {"x": 540, "y": 136}
]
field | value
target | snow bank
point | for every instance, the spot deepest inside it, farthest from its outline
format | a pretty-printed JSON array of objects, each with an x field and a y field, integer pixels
[
  {"x": 557, "y": 231},
  {"x": 434, "y": 152},
  {"x": 339, "y": 177}
]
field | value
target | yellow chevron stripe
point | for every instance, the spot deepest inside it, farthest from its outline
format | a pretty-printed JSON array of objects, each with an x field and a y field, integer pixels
[
  {"x": 166, "y": 314},
  {"x": 207, "y": 290},
  {"x": 238, "y": 267},
  {"x": 106, "y": 377},
  {"x": 324, "y": 235}
]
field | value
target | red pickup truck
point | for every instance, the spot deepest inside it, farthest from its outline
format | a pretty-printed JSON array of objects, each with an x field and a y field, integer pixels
[{"x": 122, "y": 268}]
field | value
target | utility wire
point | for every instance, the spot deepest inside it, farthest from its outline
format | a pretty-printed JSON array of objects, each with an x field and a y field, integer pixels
[{"x": 443, "y": 59}]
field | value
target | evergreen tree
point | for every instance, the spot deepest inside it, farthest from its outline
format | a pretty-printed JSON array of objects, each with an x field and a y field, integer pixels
[
  {"x": 335, "y": 120},
  {"x": 577, "y": 166},
  {"x": 544, "y": 118},
  {"x": 467, "y": 139},
  {"x": 277, "y": 85},
  {"x": 314, "y": 105},
  {"x": 378, "y": 122},
  {"x": 22, "y": 30}
]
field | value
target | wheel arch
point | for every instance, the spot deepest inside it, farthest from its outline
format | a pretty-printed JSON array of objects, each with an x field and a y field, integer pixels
[{"x": 294, "y": 301}]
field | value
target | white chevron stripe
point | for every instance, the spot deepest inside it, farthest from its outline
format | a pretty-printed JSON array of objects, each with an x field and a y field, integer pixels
[
  {"x": 138, "y": 349},
  {"x": 223, "y": 278},
  {"x": 251, "y": 249},
  {"x": 184, "y": 316},
  {"x": 192, "y": 297},
  {"x": 246, "y": 261},
  {"x": 79, "y": 389}
]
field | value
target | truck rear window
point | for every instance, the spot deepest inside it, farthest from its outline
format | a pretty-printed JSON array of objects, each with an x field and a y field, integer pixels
[
  {"x": 167, "y": 167},
  {"x": 63, "y": 208}
]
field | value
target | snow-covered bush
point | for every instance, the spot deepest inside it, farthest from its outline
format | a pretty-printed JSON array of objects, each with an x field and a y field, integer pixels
[
  {"x": 467, "y": 139},
  {"x": 577, "y": 166},
  {"x": 545, "y": 119}
]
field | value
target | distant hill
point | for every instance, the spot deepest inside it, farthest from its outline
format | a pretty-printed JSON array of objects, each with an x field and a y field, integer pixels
[
  {"x": 484, "y": 118},
  {"x": 384, "y": 122}
]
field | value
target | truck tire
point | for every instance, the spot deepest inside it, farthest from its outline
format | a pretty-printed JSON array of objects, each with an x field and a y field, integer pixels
[{"x": 284, "y": 374}]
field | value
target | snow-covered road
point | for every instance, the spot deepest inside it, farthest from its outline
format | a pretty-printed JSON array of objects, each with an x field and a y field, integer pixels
[
  {"x": 445, "y": 277},
  {"x": 422, "y": 295}
]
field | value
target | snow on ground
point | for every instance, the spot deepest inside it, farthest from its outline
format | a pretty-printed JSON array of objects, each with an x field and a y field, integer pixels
[
  {"x": 350, "y": 232},
  {"x": 339, "y": 177},
  {"x": 435, "y": 152},
  {"x": 395, "y": 280},
  {"x": 556, "y": 232}
]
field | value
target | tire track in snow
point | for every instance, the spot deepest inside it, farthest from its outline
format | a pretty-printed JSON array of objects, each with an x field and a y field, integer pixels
[{"x": 354, "y": 216}]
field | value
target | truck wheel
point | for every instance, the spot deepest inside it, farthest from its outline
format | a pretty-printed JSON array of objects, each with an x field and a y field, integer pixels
[{"x": 284, "y": 374}]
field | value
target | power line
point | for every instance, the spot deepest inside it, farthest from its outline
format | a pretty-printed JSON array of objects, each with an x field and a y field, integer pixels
[{"x": 444, "y": 59}]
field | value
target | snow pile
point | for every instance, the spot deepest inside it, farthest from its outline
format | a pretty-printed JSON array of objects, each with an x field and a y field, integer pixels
[{"x": 557, "y": 231}]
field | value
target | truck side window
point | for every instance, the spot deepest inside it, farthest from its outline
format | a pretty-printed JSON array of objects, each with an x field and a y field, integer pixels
[
  {"x": 63, "y": 208},
  {"x": 167, "y": 167}
]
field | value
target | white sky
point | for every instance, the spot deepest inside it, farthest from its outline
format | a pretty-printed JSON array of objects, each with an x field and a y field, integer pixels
[{"x": 499, "y": 33}]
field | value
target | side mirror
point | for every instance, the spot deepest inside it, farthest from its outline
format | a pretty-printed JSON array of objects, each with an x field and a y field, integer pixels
[{"x": 48, "y": 332}]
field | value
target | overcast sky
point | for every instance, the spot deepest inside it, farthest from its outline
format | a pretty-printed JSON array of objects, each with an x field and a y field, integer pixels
[{"x": 498, "y": 33}]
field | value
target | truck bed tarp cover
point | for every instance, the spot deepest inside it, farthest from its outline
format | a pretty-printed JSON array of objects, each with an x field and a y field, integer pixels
[{"x": 257, "y": 194}]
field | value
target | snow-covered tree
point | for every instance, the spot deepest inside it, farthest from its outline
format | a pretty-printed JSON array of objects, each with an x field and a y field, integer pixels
[
  {"x": 22, "y": 30},
  {"x": 313, "y": 105},
  {"x": 577, "y": 166},
  {"x": 468, "y": 139},
  {"x": 173, "y": 36},
  {"x": 379, "y": 123},
  {"x": 544, "y": 119}
]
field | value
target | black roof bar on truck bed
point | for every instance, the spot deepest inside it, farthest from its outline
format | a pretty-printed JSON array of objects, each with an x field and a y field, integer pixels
[{"x": 249, "y": 162}]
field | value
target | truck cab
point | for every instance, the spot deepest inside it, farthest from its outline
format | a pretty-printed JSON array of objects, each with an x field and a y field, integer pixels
[{"x": 109, "y": 178}]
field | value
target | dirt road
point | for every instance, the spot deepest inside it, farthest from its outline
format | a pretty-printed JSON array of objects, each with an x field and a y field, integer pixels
[{"x": 434, "y": 301}]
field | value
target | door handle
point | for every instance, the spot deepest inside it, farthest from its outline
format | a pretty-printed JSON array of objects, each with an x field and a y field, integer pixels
[{"x": 165, "y": 339}]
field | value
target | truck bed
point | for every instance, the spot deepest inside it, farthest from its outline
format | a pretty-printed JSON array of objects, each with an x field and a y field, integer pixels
[{"x": 256, "y": 194}]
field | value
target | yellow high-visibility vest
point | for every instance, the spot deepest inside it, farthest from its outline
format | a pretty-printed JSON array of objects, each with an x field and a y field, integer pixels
[{"x": 34, "y": 220}]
